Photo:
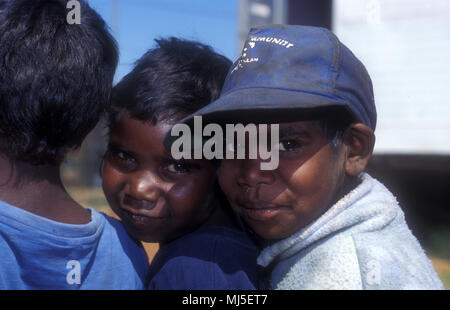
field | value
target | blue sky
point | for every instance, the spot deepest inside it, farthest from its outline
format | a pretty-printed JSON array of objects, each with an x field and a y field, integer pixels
[{"x": 139, "y": 22}]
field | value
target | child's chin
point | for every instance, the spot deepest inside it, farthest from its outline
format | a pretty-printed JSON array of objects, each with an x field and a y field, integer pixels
[
  {"x": 270, "y": 234},
  {"x": 149, "y": 239},
  {"x": 140, "y": 233},
  {"x": 145, "y": 237}
]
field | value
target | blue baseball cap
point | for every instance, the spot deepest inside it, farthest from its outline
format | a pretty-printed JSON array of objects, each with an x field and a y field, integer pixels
[{"x": 288, "y": 72}]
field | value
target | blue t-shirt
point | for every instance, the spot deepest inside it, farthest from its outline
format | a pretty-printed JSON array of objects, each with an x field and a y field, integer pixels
[
  {"x": 38, "y": 253},
  {"x": 211, "y": 258}
]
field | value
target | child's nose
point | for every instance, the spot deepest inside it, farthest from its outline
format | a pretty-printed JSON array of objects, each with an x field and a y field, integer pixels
[
  {"x": 144, "y": 186},
  {"x": 251, "y": 174}
]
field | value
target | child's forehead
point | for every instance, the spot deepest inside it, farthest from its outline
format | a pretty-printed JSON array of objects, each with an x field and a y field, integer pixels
[
  {"x": 139, "y": 134},
  {"x": 125, "y": 120},
  {"x": 144, "y": 137}
]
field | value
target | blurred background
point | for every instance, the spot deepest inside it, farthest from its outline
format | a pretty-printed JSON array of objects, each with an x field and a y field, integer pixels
[{"x": 405, "y": 45}]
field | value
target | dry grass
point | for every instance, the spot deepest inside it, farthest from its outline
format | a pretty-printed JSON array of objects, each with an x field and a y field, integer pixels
[{"x": 442, "y": 267}]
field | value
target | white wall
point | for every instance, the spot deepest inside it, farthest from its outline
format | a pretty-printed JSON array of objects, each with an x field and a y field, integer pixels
[{"x": 405, "y": 46}]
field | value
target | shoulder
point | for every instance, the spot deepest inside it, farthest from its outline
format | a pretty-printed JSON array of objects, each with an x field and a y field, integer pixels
[
  {"x": 390, "y": 258},
  {"x": 329, "y": 264},
  {"x": 116, "y": 243},
  {"x": 369, "y": 260},
  {"x": 210, "y": 242},
  {"x": 209, "y": 258},
  {"x": 394, "y": 259},
  {"x": 115, "y": 231}
]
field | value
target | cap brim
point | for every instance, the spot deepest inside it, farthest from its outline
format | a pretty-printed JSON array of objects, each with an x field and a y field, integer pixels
[{"x": 263, "y": 105}]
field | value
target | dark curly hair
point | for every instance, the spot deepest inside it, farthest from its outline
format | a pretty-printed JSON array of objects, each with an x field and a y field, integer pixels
[
  {"x": 170, "y": 81},
  {"x": 55, "y": 78}
]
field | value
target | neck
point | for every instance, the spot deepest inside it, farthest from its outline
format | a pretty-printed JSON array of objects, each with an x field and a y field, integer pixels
[
  {"x": 350, "y": 183},
  {"x": 221, "y": 217},
  {"x": 39, "y": 190}
]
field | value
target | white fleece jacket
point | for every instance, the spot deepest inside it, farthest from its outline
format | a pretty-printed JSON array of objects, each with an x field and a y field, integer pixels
[{"x": 362, "y": 242}]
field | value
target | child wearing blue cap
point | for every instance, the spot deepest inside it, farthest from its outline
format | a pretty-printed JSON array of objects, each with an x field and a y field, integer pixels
[{"x": 323, "y": 222}]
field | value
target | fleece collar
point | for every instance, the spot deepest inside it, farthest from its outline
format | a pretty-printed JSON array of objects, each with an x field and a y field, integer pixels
[{"x": 369, "y": 206}]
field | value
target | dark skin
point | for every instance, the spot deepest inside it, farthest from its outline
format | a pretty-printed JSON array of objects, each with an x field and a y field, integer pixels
[
  {"x": 158, "y": 198},
  {"x": 310, "y": 178},
  {"x": 29, "y": 187}
]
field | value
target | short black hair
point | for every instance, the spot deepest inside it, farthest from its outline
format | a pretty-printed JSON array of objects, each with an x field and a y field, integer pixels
[
  {"x": 170, "y": 81},
  {"x": 55, "y": 78},
  {"x": 333, "y": 125}
]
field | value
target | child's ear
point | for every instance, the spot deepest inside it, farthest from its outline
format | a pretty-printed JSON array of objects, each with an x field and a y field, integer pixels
[
  {"x": 102, "y": 166},
  {"x": 359, "y": 141}
]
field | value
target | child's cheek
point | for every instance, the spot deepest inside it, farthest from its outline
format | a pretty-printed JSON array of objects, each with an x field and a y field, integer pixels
[
  {"x": 313, "y": 185},
  {"x": 226, "y": 175},
  {"x": 112, "y": 183}
]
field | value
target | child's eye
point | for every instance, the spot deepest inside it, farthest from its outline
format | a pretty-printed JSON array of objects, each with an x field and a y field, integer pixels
[
  {"x": 121, "y": 159},
  {"x": 289, "y": 145},
  {"x": 123, "y": 156},
  {"x": 178, "y": 167}
]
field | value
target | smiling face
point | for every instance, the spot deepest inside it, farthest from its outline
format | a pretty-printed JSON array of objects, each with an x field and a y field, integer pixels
[
  {"x": 277, "y": 203},
  {"x": 157, "y": 198}
]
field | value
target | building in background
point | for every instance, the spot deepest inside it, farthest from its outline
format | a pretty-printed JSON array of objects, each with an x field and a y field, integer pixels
[
  {"x": 259, "y": 12},
  {"x": 405, "y": 45},
  {"x": 294, "y": 12}
]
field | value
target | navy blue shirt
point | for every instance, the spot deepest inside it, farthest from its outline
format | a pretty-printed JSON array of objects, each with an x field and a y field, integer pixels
[{"x": 210, "y": 258}]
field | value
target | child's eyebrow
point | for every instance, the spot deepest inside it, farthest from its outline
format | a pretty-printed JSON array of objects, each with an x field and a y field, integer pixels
[
  {"x": 293, "y": 131},
  {"x": 114, "y": 146}
]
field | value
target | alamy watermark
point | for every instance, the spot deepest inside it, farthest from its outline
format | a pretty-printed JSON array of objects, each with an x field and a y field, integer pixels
[
  {"x": 373, "y": 275},
  {"x": 235, "y": 137},
  {"x": 74, "y": 15},
  {"x": 74, "y": 274}
]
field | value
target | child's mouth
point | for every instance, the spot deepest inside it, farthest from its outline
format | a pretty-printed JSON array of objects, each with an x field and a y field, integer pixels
[
  {"x": 259, "y": 211},
  {"x": 142, "y": 211},
  {"x": 140, "y": 216}
]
